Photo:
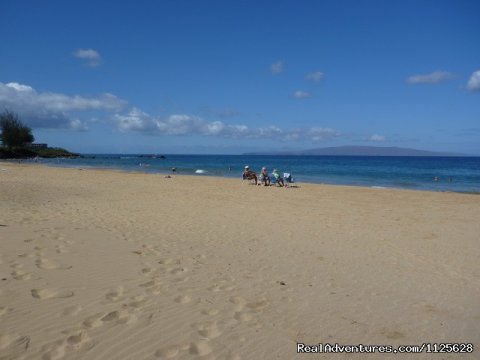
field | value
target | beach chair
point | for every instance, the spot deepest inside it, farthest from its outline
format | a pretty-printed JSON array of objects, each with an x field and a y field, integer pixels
[
  {"x": 275, "y": 179},
  {"x": 288, "y": 180},
  {"x": 251, "y": 177}
]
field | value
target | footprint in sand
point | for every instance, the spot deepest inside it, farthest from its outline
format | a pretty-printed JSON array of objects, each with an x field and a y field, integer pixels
[
  {"x": 156, "y": 290},
  {"x": 147, "y": 250},
  {"x": 214, "y": 288},
  {"x": 227, "y": 288},
  {"x": 177, "y": 271},
  {"x": 46, "y": 264},
  {"x": 146, "y": 271},
  {"x": 242, "y": 316},
  {"x": 167, "y": 352},
  {"x": 3, "y": 310},
  {"x": 183, "y": 299},
  {"x": 58, "y": 237},
  {"x": 149, "y": 284},
  {"x": 61, "y": 348},
  {"x": 12, "y": 346},
  {"x": 257, "y": 305},
  {"x": 71, "y": 310},
  {"x": 118, "y": 317},
  {"x": 208, "y": 330},
  {"x": 137, "y": 301},
  {"x": 77, "y": 340},
  {"x": 210, "y": 312},
  {"x": 43, "y": 294},
  {"x": 55, "y": 352},
  {"x": 93, "y": 321},
  {"x": 21, "y": 275},
  {"x": 26, "y": 255},
  {"x": 200, "y": 348},
  {"x": 115, "y": 294},
  {"x": 180, "y": 279},
  {"x": 60, "y": 249},
  {"x": 168, "y": 261},
  {"x": 238, "y": 302}
]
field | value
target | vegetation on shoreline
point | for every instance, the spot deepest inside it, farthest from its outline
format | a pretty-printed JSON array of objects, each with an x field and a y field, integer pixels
[
  {"x": 17, "y": 140},
  {"x": 29, "y": 153},
  {"x": 55, "y": 152}
]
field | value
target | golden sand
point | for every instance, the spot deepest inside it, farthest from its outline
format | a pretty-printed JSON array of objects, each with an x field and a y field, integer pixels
[{"x": 107, "y": 265}]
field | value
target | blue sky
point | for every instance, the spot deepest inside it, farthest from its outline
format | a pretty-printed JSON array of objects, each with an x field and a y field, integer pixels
[{"x": 235, "y": 76}]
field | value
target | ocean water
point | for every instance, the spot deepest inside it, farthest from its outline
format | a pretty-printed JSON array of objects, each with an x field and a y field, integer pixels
[{"x": 459, "y": 174}]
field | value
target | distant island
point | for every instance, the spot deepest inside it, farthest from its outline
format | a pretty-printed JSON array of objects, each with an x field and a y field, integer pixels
[{"x": 358, "y": 151}]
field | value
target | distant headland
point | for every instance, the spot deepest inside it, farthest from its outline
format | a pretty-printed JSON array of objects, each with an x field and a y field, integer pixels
[
  {"x": 358, "y": 151},
  {"x": 32, "y": 151},
  {"x": 18, "y": 141}
]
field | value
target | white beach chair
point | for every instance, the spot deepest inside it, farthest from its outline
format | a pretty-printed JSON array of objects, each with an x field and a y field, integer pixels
[{"x": 288, "y": 180}]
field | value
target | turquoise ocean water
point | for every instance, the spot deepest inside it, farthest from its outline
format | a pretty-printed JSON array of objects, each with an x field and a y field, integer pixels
[{"x": 459, "y": 174}]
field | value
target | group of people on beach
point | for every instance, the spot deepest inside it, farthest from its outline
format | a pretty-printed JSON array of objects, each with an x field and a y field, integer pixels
[{"x": 264, "y": 178}]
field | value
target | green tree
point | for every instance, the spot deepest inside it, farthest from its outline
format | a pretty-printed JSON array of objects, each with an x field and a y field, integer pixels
[{"x": 14, "y": 132}]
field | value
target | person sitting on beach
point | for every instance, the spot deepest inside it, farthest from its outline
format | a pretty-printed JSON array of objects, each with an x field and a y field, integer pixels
[
  {"x": 264, "y": 178},
  {"x": 277, "y": 177},
  {"x": 249, "y": 175}
]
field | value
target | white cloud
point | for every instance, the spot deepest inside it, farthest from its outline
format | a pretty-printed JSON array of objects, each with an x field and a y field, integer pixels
[
  {"x": 433, "y": 78},
  {"x": 78, "y": 125},
  {"x": 19, "y": 87},
  {"x": 182, "y": 124},
  {"x": 316, "y": 76},
  {"x": 376, "y": 137},
  {"x": 92, "y": 57},
  {"x": 59, "y": 111},
  {"x": 276, "y": 67},
  {"x": 299, "y": 94},
  {"x": 176, "y": 124},
  {"x": 52, "y": 110},
  {"x": 135, "y": 120},
  {"x": 474, "y": 81}
]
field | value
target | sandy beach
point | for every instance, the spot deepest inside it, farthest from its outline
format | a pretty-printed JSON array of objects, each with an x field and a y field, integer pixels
[{"x": 98, "y": 264}]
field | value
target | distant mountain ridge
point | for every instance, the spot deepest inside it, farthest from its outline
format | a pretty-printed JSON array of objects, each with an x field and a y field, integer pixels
[{"x": 359, "y": 151}]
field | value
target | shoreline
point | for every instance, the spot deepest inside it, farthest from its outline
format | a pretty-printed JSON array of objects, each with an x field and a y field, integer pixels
[
  {"x": 101, "y": 264},
  {"x": 120, "y": 170}
]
